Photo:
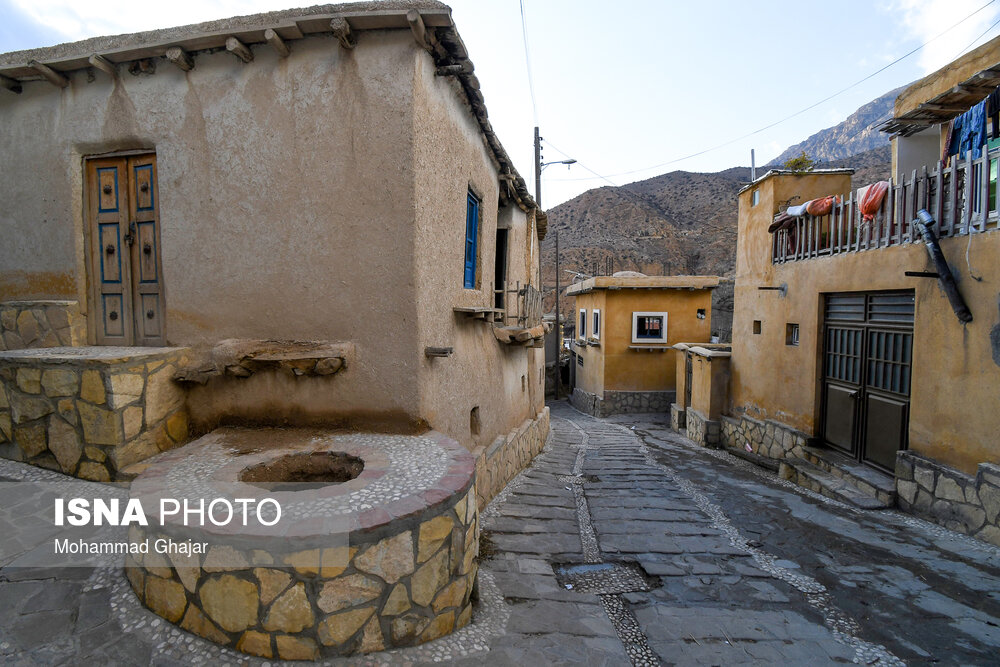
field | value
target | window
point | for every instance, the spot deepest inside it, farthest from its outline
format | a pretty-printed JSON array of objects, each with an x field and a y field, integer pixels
[
  {"x": 755, "y": 197},
  {"x": 649, "y": 327},
  {"x": 791, "y": 334},
  {"x": 500, "y": 270},
  {"x": 596, "y": 333},
  {"x": 471, "y": 239},
  {"x": 582, "y": 333},
  {"x": 756, "y": 326}
]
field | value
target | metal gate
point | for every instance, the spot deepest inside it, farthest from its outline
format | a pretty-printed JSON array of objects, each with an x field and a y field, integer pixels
[{"x": 868, "y": 347}]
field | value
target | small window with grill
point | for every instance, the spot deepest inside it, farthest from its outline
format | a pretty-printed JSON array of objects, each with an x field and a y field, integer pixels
[
  {"x": 756, "y": 326},
  {"x": 649, "y": 327}
]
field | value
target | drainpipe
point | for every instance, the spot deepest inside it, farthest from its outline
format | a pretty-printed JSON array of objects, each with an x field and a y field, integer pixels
[{"x": 925, "y": 225}]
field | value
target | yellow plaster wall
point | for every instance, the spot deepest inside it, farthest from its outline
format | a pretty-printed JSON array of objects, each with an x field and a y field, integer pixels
[
  {"x": 954, "y": 415},
  {"x": 590, "y": 378},
  {"x": 709, "y": 377},
  {"x": 635, "y": 370}
]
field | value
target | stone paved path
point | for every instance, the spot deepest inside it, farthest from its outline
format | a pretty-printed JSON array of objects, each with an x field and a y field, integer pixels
[{"x": 622, "y": 544}]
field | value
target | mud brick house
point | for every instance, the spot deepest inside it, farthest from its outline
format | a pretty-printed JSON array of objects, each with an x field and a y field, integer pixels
[
  {"x": 866, "y": 367},
  {"x": 625, "y": 329},
  {"x": 301, "y": 217}
]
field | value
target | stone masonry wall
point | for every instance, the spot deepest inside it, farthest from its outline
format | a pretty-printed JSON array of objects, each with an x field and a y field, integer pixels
[
  {"x": 767, "y": 438},
  {"x": 508, "y": 455},
  {"x": 621, "y": 402},
  {"x": 701, "y": 430},
  {"x": 678, "y": 417},
  {"x": 90, "y": 418},
  {"x": 33, "y": 324},
  {"x": 367, "y": 595},
  {"x": 960, "y": 502}
]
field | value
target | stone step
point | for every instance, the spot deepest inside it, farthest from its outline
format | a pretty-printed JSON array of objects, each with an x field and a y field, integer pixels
[
  {"x": 812, "y": 477},
  {"x": 755, "y": 458},
  {"x": 866, "y": 479}
]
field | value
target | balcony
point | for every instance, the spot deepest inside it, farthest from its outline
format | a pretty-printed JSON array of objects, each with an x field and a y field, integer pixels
[{"x": 958, "y": 195}]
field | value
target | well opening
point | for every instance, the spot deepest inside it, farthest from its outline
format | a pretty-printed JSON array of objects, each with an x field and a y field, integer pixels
[{"x": 305, "y": 469}]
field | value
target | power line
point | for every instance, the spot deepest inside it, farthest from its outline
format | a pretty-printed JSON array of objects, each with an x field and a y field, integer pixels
[
  {"x": 565, "y": 154},
  {"x": 808, "y": 108},
  {"x": 995, "y": 24},
  {"x": 527, "y": 62}
]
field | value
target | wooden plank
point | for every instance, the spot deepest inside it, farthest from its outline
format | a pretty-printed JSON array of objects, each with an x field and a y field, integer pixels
[
  {"x": 278, "y": 44},
  {"x": 938, "y": 206},
  {"x": 239, "y": 49},
  {"x": 984, "y": 190},
  {"x": 953, "y": 214},
  {"x": 103, "y": 64},
  {"x": 967, "y": 208},
  {"x": 13, "y": 85},
  {"x": 52, "y": 76},
  {"x": 342, "y": 31},
  {"x": 180, "y": 57},
  {"x": 850, "y": 219}
]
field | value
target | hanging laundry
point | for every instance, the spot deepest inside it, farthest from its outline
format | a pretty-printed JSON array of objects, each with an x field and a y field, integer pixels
[
  {"x": 969, "y": 133},
  {"x": 871, "y": 197},
  {"x": 821, "y": 206},
  {"x": 798, "y": 210},
  {"x": 993, "y": 111}
]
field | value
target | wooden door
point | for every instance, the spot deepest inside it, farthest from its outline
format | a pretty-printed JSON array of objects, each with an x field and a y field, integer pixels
[{"x": 124, "y": 248}]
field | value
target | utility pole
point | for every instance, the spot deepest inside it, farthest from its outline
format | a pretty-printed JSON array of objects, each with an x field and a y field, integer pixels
[
  {"x": 558, "y": 328},
  {"x": 538, "y": 169}
]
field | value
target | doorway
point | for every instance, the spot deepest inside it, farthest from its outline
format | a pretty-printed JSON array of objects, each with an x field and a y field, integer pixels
[
  {"x": 867, "y": 358},
  {"x": 123, "y": 223}
]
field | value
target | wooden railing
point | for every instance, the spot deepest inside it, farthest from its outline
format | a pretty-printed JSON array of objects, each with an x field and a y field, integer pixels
[{"x": 961, "y": 197}]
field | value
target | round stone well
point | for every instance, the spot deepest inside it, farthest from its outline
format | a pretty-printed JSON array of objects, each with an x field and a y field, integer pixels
[{"x": 375, "y": 547}]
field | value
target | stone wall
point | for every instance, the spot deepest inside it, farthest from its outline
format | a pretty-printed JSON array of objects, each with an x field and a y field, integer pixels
[
  {"x": 766, "y": 438},
  {"x": 33, "y": 324},
  {"x": 499, "y": 463},
  {"x": 89, "y": 416},
  {"x": 404, "y": 589},
  {"x": 701, "y": 430},
  {"x": 960, "y": 502},
  {"x": 678, "y": 417},
  {"x": 621, "y": 402}
]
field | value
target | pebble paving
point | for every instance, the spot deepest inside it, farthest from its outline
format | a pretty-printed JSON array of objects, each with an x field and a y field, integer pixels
[{"x": 623, "y": 543}]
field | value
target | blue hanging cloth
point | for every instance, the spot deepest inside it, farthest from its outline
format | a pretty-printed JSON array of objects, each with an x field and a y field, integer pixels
[{"x": 969, "y": 132}]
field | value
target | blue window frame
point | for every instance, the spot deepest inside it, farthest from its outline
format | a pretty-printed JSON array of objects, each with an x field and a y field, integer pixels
[{"x": 471, "y": 239}]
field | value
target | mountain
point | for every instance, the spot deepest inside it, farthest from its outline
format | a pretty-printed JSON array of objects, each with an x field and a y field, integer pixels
[
  {"x": 857, "y": 134},
  {"x": 684, "y": 222}
]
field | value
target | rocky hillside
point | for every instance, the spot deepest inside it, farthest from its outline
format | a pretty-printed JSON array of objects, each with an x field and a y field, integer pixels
[
  {"x": 676, "y": 223},
  {"x": 858, "y": 134}
]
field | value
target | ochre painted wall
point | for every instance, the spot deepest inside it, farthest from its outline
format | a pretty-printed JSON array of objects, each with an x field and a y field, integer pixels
[
  {"x": 316, "y": 197},
  {"x": 612, "y": 366},
  {"x": 954, "y": 410}
]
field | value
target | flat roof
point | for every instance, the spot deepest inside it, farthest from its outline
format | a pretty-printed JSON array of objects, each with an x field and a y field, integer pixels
[
  {"x": 946, "y": 93},
  {"x": 643, "y": 282},
  {"x": 780, "y": 172},
  {"x": 429, "y": 20}
]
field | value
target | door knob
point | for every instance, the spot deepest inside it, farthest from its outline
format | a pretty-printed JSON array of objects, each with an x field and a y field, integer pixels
[
  {"x": 113, "y": 315},
  {"x": 110, "y": 249},
  {"x": 147, "y": 248},
  {"x": 149, "y": 314}
]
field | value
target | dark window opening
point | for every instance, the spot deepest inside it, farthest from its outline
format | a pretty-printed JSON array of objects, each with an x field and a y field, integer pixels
[
  {"x": 500, "y": 272},
  {"x": 756, "y": 326}
]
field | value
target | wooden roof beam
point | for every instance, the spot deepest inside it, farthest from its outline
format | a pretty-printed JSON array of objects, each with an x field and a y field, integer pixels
[
  {"x": 103, "y": 64},
  {"x": 419, "y": 29},
  {"x": 57, "y": 79},
  {"x": 180, "y": 57},
  {"x": 13, "y": 85},
  {"x": 342, "y": 31},
  {"x": 278, "y": 44},
  {"x": 239, "y": 49}
]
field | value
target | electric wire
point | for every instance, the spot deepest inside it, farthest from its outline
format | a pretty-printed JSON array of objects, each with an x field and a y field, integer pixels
[
  {"x": 527, "y": 63},
  {"x": 801, "y": 111}
]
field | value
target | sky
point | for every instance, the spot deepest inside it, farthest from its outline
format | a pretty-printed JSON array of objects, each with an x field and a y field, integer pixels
[{"x": 634, "y": 88}]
